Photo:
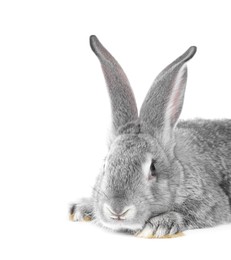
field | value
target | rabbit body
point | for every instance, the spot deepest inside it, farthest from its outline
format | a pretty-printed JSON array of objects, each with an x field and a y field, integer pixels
[
  {"x": 160, "y": 176},
  {"x": 204, "y": 149}
]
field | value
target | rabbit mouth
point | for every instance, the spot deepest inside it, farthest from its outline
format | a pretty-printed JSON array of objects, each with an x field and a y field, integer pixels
[
  {"x": 125, "y": 219},
  {"x": 125, "y": 213}
]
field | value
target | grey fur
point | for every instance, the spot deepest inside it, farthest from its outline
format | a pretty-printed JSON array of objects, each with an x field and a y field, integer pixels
[
  {"x": 153, "y": 109},
  {"x": 122, "y": 98},
  {"x": 192, "y": 159}
]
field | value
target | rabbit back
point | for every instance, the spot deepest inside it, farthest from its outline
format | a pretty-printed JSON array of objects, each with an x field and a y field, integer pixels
[{"x": 207, "y": 144}]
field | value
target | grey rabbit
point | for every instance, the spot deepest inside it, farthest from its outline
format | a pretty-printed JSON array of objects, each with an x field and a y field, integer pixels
[{"x": 161, "y": 176}]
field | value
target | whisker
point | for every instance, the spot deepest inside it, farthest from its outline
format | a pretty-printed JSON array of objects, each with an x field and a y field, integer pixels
[
  {"x": 97, "y": 191},
  {"x": 100, "y": 192}
]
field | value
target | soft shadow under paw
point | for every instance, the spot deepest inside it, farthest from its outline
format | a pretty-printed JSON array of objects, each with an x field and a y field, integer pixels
[{"x": 180, "y": 234}]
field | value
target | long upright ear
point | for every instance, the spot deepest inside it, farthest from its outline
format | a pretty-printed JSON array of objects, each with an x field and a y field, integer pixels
[
  {"x": 163, "y": 104},
  {"x": 123, "y": 103}
]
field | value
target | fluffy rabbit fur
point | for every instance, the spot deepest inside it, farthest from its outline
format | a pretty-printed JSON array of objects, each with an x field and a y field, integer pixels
[{"x": 160, "y": 176}]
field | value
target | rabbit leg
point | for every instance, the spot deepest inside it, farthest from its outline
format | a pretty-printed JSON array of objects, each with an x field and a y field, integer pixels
[
  {"x": 163, "y": 226},
  {"x": 82, "y": 210}
]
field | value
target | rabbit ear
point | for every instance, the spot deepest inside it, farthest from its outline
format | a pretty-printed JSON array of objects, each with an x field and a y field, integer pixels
[
  {"x": 123, "y": 103},
  {"x": 163, "y": 103}
]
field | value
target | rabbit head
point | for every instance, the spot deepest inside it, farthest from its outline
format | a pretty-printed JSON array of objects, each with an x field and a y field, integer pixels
[{"x": 141, "y": 173}]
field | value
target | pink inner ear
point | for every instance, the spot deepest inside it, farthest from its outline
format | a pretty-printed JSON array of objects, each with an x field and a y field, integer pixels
[
  {"x": 175, "y": 104},
  {"x": 176, "y": 99}
]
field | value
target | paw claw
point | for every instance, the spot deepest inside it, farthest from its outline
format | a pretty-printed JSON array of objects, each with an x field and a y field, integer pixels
[
  {"x": 163, "y": 226},
  {"x": 87, "y": 218},
  {"x": 81, "y": 211},
  {"x": 147, "y": 232},
  {"x": 71, "y": 217},
  {"x": 78, "y": 217},
  {"x": 151, "y": 236},
  {"x": 180, "y": 234}
]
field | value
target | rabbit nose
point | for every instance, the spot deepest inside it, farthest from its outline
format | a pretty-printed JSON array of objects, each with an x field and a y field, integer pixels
[{"x": 117, "y": 216}]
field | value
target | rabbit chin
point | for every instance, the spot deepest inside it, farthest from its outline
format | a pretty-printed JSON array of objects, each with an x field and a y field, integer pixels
[{"x": 121, "y": 225}]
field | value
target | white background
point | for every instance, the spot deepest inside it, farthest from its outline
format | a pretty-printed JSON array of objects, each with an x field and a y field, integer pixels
[{"x": 55, "y": 114}]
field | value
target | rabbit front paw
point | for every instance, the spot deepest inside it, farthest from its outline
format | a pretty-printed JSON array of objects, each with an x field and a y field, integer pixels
[
  {"x": 82, "y": 210},
  {"x": 163, "y": 226}
]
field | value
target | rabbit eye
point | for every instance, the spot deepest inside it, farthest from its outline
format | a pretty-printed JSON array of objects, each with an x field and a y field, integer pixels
[{"x": 152, "y": 173}]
